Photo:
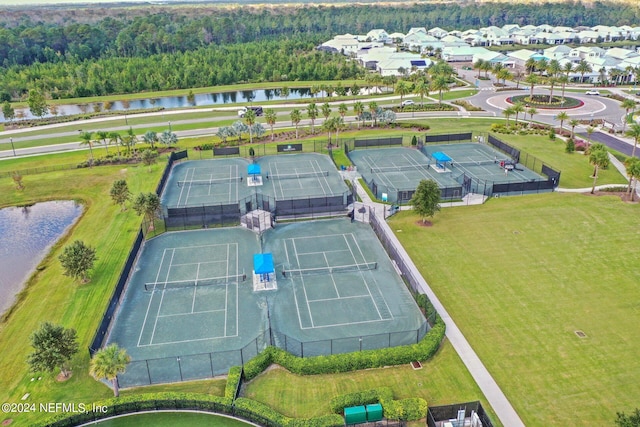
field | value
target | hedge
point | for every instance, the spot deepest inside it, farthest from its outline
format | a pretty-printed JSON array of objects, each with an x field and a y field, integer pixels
[
  {"x": 233, "y": 380},
  {"x": 367, "y": 359},
  {"x": 411, "y": 409},
  {"x": 375, "y": 395}
]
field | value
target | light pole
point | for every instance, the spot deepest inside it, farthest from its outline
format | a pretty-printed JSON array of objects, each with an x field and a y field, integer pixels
[
  {"x": 12, "y": 147},
  {"x": 180, "y": 368},
  {"x": 169, "y": 125}
]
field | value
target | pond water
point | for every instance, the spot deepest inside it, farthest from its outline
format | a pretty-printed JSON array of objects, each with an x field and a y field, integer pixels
[
  {"x": 26, "y": 234},
  {"x": 167, "y": 102}
]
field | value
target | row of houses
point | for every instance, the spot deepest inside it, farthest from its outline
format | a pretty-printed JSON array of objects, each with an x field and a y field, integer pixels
[{"x": 397, "y": 53}]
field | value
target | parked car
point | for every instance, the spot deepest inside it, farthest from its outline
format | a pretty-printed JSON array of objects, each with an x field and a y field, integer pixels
[
  {"x": 592, "y": 92},
  {"x": 406, "y": 102},
  {"x": 242, "y": 111}
]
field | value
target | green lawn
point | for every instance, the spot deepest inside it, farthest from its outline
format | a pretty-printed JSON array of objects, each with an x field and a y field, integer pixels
[
  {"x": 575, "y": 167},
  {"x": 456, "y": 94},
  {"x": 520, "y": 275},
  {"x": 172, "y": 419},
  {"x": 442, "y": 380}
]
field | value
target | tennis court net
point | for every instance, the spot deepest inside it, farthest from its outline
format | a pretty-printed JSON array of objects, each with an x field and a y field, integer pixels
[
  {"x": 477, "y": 163},
  {"x": 298, "y": 175},
  {"x": 211, "y": 181},
  {"x": 181, "y": 284},
  {"x": 333, "y": 270},
  {"x": 399, "y": 168}
]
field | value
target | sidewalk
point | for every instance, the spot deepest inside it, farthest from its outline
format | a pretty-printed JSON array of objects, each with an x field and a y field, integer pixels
[{"x": 498, "y": 401}]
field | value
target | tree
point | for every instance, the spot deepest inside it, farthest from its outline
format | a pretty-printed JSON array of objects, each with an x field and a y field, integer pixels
[
  {"x": 8, "y": 111},
  {"x": 149, "y": 157},
  {"x": 120, "y": 193},
  {"x": 554, "y": 68},
  {"x": 373, "y": 109},
  {"x": 567, "y": 68},
  {"x": 249, "y": 120},
  {"x": 440, "y": 84},
  {"x": 632, "y": 164},
  {"x": 552, "y": 82},
  {"x": 296, "y": 117},
  {"x": 168, "y": 138},
  {"x": 284, "y": 92},
  {"x": 150, "y": 137},
  {"x": 627, "y": 104},
  {"x": 541, "y": 65},
  {"x": 532, "y": 79},
  {"x": 531, "y": 111},
  {"x": 508, "y": 112},
  {"x": 403, "y": 88},
  {"x": 422, "y": 89},
  {"x": 103, "y": 136},
  {"x": 573, "y": 123},
  {"x": 599, "y": 158},
  {"x": 583, "y": 67},
  {"x": 130, "y": 140},
  {"x": 478, "y": 65},
  {"x": 518, "y": 108},
  {"x": 270, "y": 118},
  {"x": 114, "y": 138},
  {"x": 563, "y": 80},
  {"x": 623, "y": 420},
  {"x": 358, "y": 110},
  {"x": 342, "y": 110},
  {"x": 562, "y": 116},
  {"x": 87, "y": 139},
  {"x": 486, "y": 67},
  {"x": 17, "y": 180},
  {"x": 108, "y": 363},
  {"x": 634, "y": 132},
  {"x": 54, "y": 346},
  {"x": 426, "y": 199},
  {"x": 77, "y": 259},
  {"x": 503, "y": 74},
  {"x": 37, "y": 103},
  {"x": 312, "y": 112},
  {"x": 147, "y": 205},
  {"x": 326, "y": 110},
  {"x": 530, "y": 65},
  {"x": 330, "y": 126},
  {"x": 590, "y": 130}
]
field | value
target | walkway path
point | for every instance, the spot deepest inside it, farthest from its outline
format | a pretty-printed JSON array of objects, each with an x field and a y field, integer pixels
[{"x": 498, "y": 401}]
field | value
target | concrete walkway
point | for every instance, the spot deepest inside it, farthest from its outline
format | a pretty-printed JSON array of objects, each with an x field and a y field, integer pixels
[{"x": 498, "y": 401}]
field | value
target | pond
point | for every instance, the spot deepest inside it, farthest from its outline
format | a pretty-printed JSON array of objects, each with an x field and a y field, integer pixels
[
  {"x": 26, "y": 234},
  {"x": 203, "y": 99}
]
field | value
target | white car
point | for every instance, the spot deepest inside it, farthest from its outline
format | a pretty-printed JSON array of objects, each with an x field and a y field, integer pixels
[
  {"x": 406, "y": 102},
  {"x": 592, "y": 92}
]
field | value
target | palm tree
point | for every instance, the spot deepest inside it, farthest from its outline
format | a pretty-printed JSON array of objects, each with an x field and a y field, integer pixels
[
  {"x": 339, "y": 122},
  {"x": 627, "y": 104},
  {"x": 532, "y": 79},
  {"x": 296, "y": 117},
  {"x": 530, "y": 65},
  {"x": 342, "y": 110},
  {"x": 168, "y": 138},
  {"x": 402, "y": 89},
  {"x": 270, "y": 118},
  {"x": 633, "y": 171},
  {"x": 312, "y": 112},
  {"x": 440, "y": 84},
  {"x": 563, "y": 80},
  {"x": 531, "y": 112},
  {"x": 634, "y": 132},
  {"x": 108, "y": 363},
  {"x": 326, "y": 110},
  {"x": 518, "y": 108},
  {"x": 315, "y": 89},
  {"x": 573, "y": 123},
  {"x": 422, "y": 89},
  {"x": 583, "y": 67},
  {"x": 599, "y": 158},
  {"x": 503, "y": 74},
  {"x": 554, "y": 68},
  {"x": 150, "y": 137},
  {"x": 358, "y": 109},
  {"x": 567, "y": 68},
  {"x": 104, "y": 137},
  {"x": 373, "y": 108},
  {"x": 590, "y": 130},
  {"x": 562, "y": 116},
  {"x": 329, "y": 125},
  {"x": 250, "y": 120},
  {"x": 508, "y": 112},
  {"x": 552, "y": 82},
  {"x": 87, "y": 139},
  {"x": 478, "y": 66},
  {"x": 130, "y": 140},
  {"x": 114, "y": 138},
  {"x": 486, "y": 67},
  {"x": 541, "y": 65}
]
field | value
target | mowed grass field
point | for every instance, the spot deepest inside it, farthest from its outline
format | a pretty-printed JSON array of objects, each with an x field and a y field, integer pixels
[{"x": 520, "y": 275}]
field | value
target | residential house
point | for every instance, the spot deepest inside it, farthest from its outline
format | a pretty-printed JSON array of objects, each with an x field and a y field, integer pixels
[
  {"x": 557, "y": 52},
  {"x": 520, "y": 57},
  {"x": 437, "y": 32},
  {"x": 620, "y": 53},
  {"x": 461, "y": 53},
  {"x": 379, "y": 35}
]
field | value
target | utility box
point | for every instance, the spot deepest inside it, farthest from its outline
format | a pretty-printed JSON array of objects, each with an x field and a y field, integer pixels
[
  {"x": 355, "y": 415},
  {"x": 374, "y": 412}
]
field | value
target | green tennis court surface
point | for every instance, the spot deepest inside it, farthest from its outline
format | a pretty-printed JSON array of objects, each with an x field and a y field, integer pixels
[{"x": 189, "y": 310}]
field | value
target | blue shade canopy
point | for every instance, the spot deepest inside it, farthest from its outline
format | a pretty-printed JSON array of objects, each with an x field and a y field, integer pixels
[
  {"x": 253, "y": 169},
  {"x": 441, "y": 157},
  {"x": 263, "y": 263}
]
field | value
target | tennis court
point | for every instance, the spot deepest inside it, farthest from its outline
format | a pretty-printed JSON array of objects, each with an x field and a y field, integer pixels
[
  {"x": 339, "y": 291},
  {"x": 207, "y": 182},
  {"x": 189, "y": 295},
  {"x": 301, "y": 175}
]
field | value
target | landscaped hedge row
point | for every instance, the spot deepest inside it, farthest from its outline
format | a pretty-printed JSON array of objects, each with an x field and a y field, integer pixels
[
  {"x": 411, "y": 409},
  {"x": 233, "y": 380},
  {"x": 141, "y": 402},
  {"x": 367, "y": 397},
  {"x": 367, "y": 359},
  {"x": 270, "y": 417}
]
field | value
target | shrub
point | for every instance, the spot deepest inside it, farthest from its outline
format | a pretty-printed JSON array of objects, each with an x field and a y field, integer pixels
[
  {"x": 376, "y": 395},
  {"x": 411, "y": 409},
  {"x": 414, "y": 141},
  {"x": 552, "y": 134},
  {"x": 466, "y": 105},
  {"x": 581, "y": 145},
  {"x": 233, "y": 379},
  {"x": 570, "y": 146}
]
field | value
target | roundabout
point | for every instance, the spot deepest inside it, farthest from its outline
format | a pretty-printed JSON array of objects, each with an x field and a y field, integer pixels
[{"x": 546, "y": 102}]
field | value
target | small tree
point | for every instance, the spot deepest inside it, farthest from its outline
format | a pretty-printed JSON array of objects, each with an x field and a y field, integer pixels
[
  {"x": 87, "y": 139},
  {"x": 149, "y": 158},
  {"x": 148, "y": 205},
  {"x": 168, "y": 138},
  {"x": 312, "y": 112},
  {"x": 250, "y": 119},
  {"x": 77, "y": 259},
  {"x": 150, "y": 137},
  {"x": 120, "y": 193},
  {"x": 37, "y": 103},
  {"x": 633, "y": 171},
  {"x": 562, "y": 116},
  {"x": 108, "y": 363},
  {"x": 599, "y": 158},
  {"x": 634, "y": 132},
  {"x": 8, "y": 111},
  {"x": 570, "y": 147},
  {"x": 623, "y": 420},
  {"x": 296, "y": 117},
  {"x": 17, "y": 180},
  {"x": 54, "y": 346},
  {"x": 270, "y": 118},
  {"x": 426, "y": 199}
]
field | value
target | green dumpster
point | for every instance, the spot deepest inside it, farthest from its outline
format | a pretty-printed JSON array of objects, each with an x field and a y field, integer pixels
[
  {"x": 374, "y": 412},
  {"x": 355, "y": 415}
]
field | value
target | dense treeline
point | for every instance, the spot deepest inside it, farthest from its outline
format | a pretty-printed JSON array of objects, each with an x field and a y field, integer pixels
[
  {"x": 24, "y": 42},
  {"x": 210, "y": 66}
]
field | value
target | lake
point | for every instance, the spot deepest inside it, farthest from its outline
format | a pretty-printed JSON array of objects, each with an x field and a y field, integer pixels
[{"x": 26, "y": 235}]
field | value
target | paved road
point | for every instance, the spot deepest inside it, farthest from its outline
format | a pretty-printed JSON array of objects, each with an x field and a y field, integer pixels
[{"x": 612, "y": 142}]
